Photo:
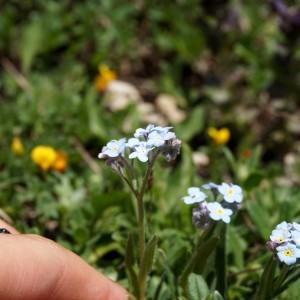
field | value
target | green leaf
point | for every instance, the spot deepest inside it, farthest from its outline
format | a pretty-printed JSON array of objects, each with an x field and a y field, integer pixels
[
  {"x": 193, "y": 124},
  {"x": 293, "y": 276},
  {"x": 31, "y": 43},
  {"x": 266, "y": 283},
  {"x": 236, "y": 246},
  {"x": 284, "y": 271},
  {"x": 215, "y": 296},
  {"x": 95, "y": 124},
  {"x": 148, "y": 257},
  {"x": 168, "y": 273},
  {"x": 198, "y": 260},
  {"x": 253, "y": 180},
  {"x": 129, "y": 262},
  {"x": 260, "y": 217},
  {"x": 103, "y": 201},
  {"x": 230, "y": 158},
  {"x": 129, "y": 257},
  {"x": 197, "y": 287},
  {"x": 255, "y": 157}
]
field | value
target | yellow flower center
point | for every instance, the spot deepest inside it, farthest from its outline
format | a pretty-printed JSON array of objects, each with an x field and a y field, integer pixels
[
  {"x": 279, "y": 239},
  {"x": 220, "y": 211},
  {"x": 288, "y": 252},
  {"x": 230, "y": 192}
]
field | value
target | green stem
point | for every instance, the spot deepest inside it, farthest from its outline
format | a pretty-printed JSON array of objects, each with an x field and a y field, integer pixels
[
  {"x": 221, "y": 263},
  {"x": 139, "y": 195},
  {"x": 141, "y": 224},
  {"x": 131, "y": 172},
  {"x": 129, "y": 184}
]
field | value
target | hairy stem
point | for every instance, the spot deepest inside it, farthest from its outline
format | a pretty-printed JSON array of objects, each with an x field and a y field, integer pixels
[
  {"x": 141, "y": 224},
  {"x": 139, "y": 196}
]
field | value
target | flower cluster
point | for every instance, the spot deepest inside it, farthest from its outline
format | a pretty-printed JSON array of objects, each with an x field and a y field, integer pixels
[
  {"x": 147, "y": 143},
  {"x": 285, "y": 242},
  {"x": 214, "y": 202},
  {"x": 46, "y": 157}
]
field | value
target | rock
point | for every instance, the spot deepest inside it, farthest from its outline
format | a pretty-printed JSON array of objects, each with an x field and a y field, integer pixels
[
  {"x": 150, "y": 115},
  {"x": 167, "y": 105},
  {"x": 200, "y": 159},
  {"x": 120, "y": 94}
]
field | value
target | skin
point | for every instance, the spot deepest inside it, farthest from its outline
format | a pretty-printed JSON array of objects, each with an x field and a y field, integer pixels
[{"x": 35, "y": 268}]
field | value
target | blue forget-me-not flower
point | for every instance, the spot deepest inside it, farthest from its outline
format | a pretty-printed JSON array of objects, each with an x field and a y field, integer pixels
[
  {"x": 113, "y": 148},
  {"x": 143, "y": 132},
  {"x": 158, "y": 139},
  {"x": 218, "y": 212},
  {"x": 296, "y": 226},
  {"x": 153, "y": 138},
  {"x": 214, "y": 208},
  {"x": 296, "y": 237},
  {"x": 288, "y": 253},
  {"x": 231, "y": 192},
  {"x": 195, "y": 195},
  {"x": 284, "y": 226},
  {"x": 141, "y": 152},
  {"x": 280, "y": 236},
  {"x": 133, "y": 142},
  {"x": 285, "y": 242},
  {"x": 210, "y": 186}
]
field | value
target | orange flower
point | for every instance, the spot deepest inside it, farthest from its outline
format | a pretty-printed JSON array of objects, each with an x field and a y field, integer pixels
[
  {"x": 43, "y": 156},
  {"x": 219, "y": 136},
  {"x": 246, "y": 153},
  {"x": 104, "y": 77},
  {"x": 17, "y": 146},
  {"x": 61, "y": 162}
]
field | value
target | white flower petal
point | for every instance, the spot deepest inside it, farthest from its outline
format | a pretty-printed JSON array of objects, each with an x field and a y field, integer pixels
[
  {"x": 226, "y": 219},
  {"x": 132, "y": 155},
  {"x": 213, "y": 206},
  {"x": 215, "y": 216},
  {"x": 193, "y": 191},
  {"x": 142, "y": 157},
  {"x": 190, "y": 200}
]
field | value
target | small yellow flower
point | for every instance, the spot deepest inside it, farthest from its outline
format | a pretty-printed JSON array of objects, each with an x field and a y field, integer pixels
[
  {"x": 219, "y": 136},
  {"x": 104, "y": 77},
  {"x": 17, "y": 146},
  {"x": 61, "y": 162},
  {"x": 43, "y": 156}
]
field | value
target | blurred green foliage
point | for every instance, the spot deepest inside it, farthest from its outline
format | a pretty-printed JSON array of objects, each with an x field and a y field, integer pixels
[{"x": 227, "y": 63}]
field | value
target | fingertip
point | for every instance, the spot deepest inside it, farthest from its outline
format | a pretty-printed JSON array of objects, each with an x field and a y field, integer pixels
[
  {"x": 10, "y": 228},
  {"x": 116, "y": 292}
]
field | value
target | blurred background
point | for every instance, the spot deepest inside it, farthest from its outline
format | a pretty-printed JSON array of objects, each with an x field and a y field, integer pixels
[{"x": 76, "y": 74}]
